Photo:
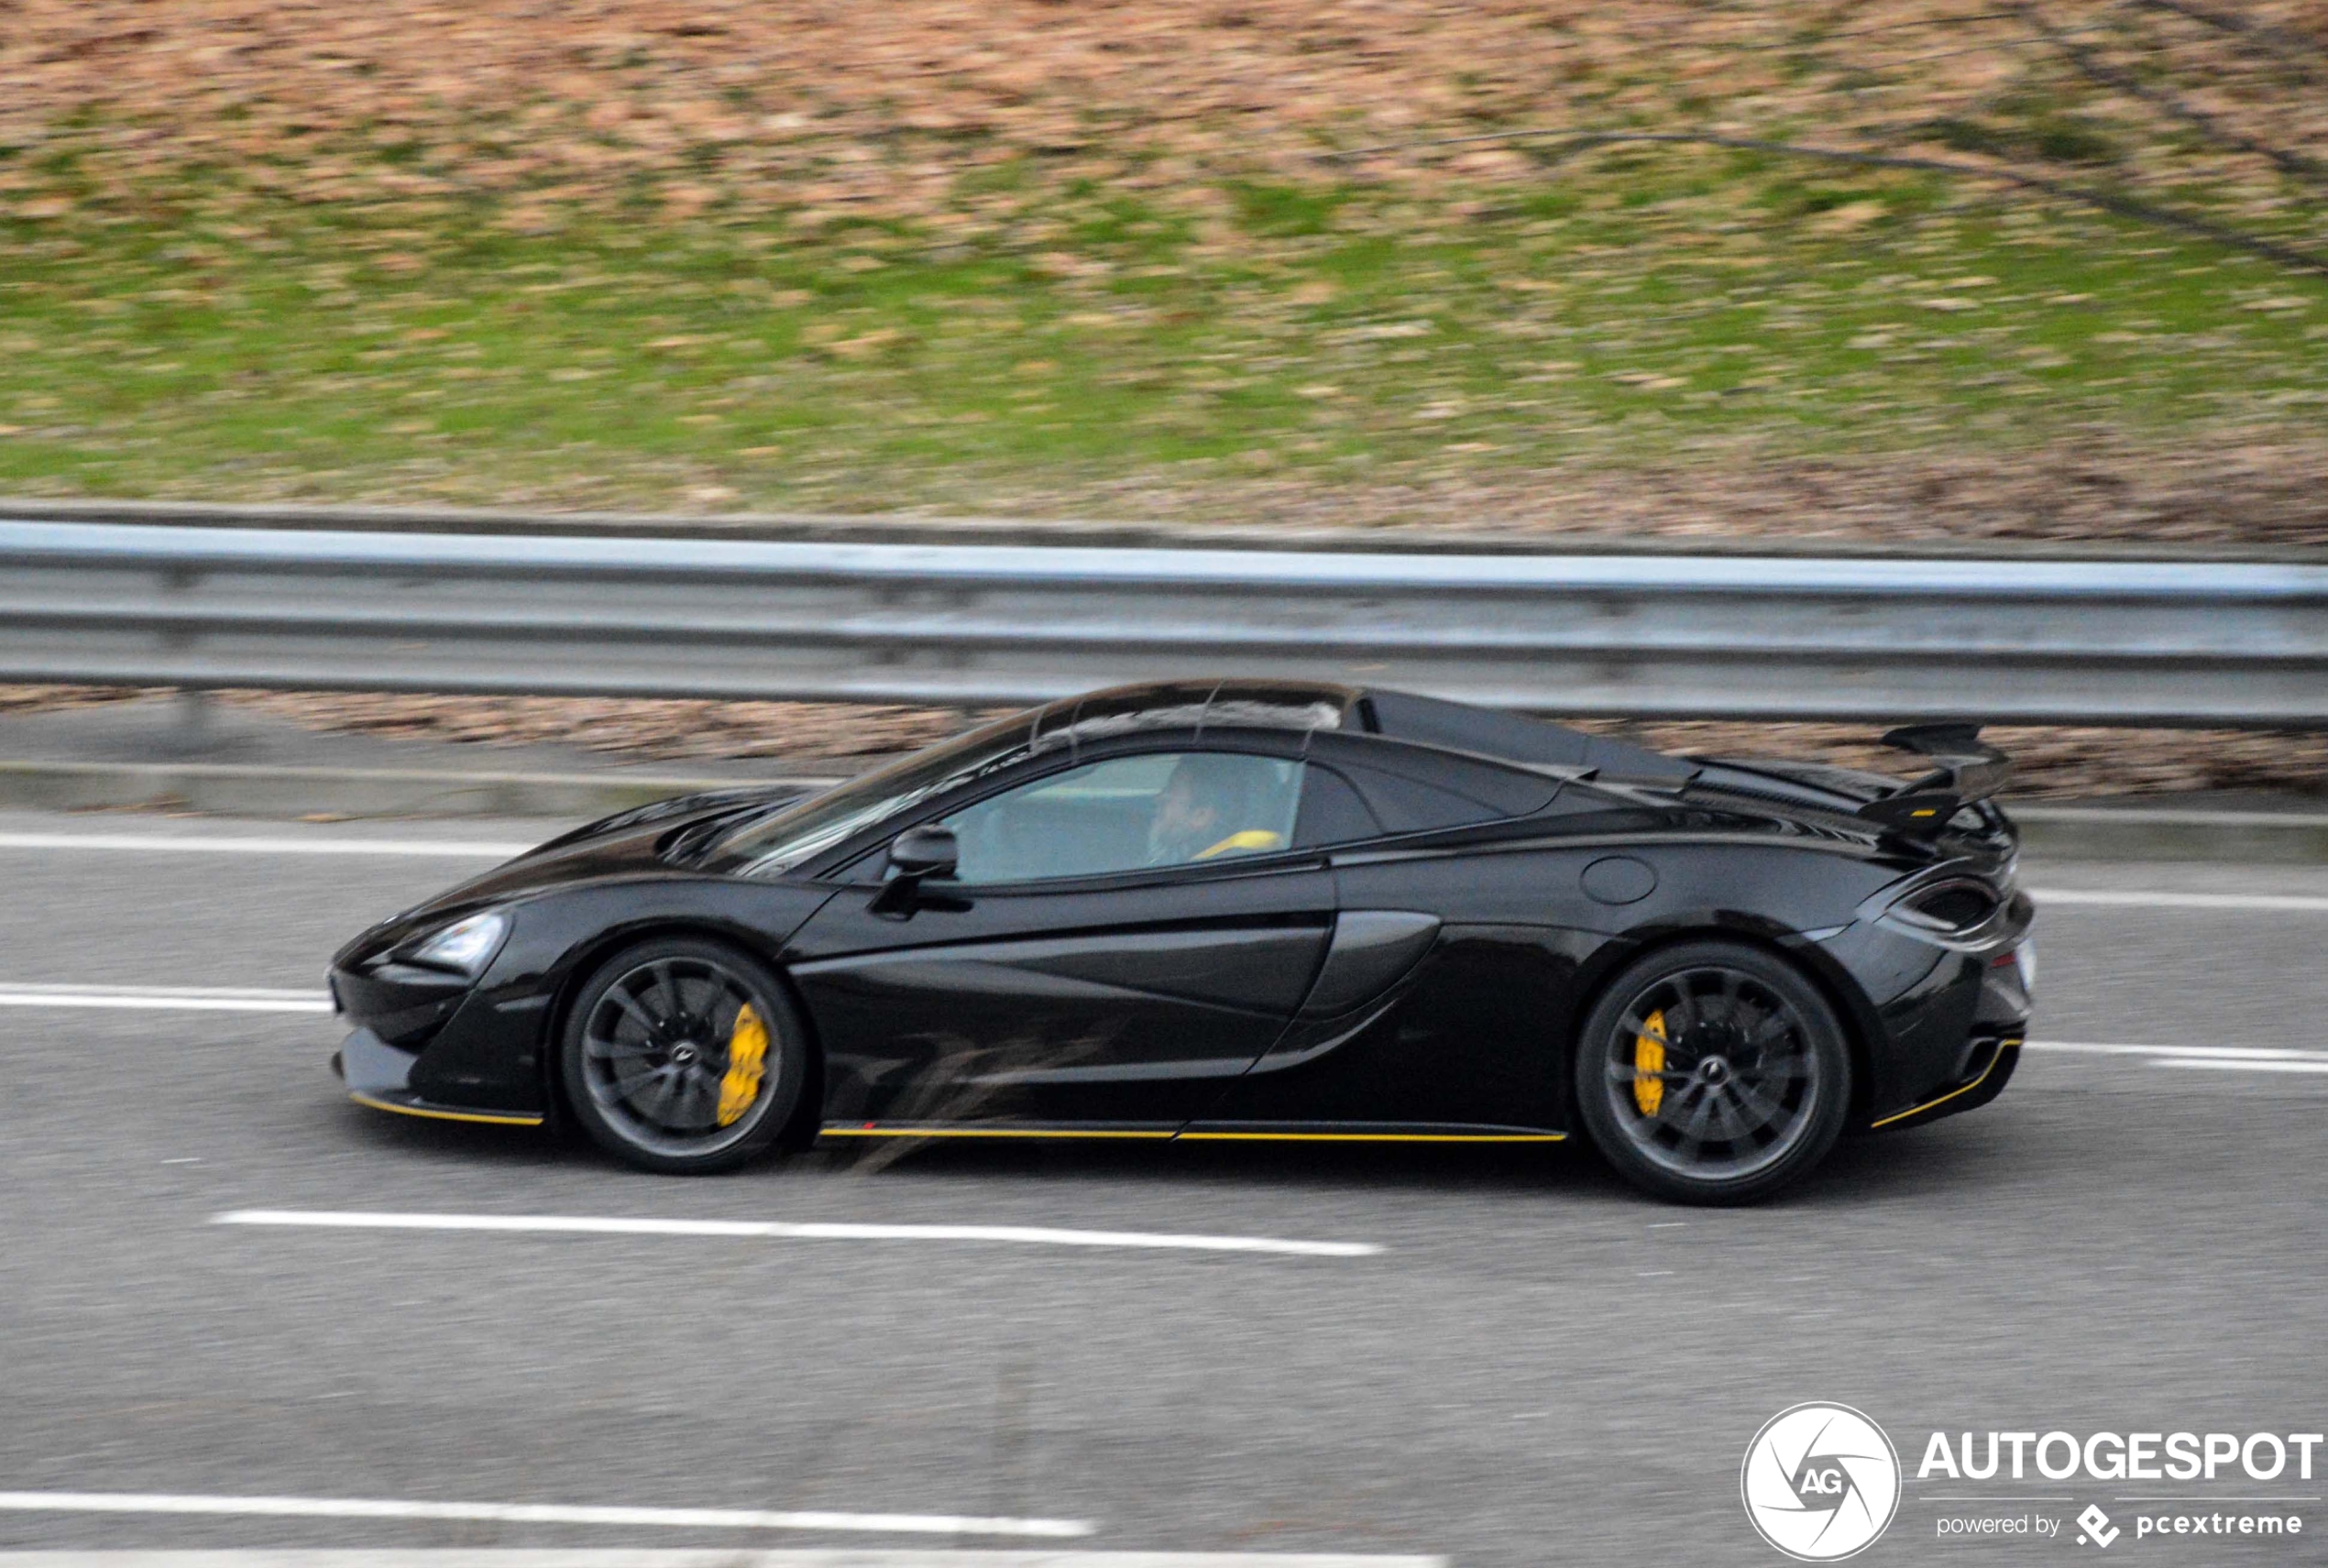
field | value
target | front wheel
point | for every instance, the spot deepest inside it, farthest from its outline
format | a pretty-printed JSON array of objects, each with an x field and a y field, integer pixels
[
  {"x": 683, "y": 1056},
  {"x": 1713, "y": 1072}
]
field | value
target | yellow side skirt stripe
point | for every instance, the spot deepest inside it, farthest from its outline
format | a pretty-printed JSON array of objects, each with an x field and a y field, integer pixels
[
  {"x": 981, "y": 1132},
  {"x": 1381, "y": 1137},
  {"x": 495, "y": 1119},
  {"x": 516, "y": 1118},
  {"x": 1186, "y": 1137},
  {"x": 1966, "y": 1089}
]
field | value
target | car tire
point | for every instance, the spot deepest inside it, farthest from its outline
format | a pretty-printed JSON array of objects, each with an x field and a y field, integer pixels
[
  {"x": 1712, "y": 1072},
  {"x": 658, "y": 1056}
]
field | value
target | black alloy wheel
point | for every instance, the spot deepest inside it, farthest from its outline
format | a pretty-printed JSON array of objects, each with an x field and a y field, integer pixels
[
  {"x": 1713, "y": 1072},
  {"x": 683, "y": 1056}
]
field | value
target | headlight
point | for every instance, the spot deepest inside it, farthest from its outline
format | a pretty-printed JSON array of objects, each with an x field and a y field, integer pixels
[
  {"x": 465, "y": 947},
  {"x": 2024, "y": 960}
]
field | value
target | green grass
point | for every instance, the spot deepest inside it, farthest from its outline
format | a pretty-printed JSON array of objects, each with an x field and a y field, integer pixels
[{"x": 1650, "y": 312}]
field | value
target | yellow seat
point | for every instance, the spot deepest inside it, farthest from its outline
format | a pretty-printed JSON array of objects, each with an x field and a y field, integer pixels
[{"x": 1250, "y": 838}]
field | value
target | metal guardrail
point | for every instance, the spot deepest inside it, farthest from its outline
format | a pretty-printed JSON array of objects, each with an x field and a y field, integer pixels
[{"x": 1736, "y": 637}]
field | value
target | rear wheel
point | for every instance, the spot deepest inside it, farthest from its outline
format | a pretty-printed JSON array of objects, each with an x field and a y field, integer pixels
[
  {"x": 1713, "y": 1072},
  {"x": 683, "y": 1056}
]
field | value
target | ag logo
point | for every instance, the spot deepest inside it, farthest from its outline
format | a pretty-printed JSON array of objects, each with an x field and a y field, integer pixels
[{"x": 1821, "y": 1482}]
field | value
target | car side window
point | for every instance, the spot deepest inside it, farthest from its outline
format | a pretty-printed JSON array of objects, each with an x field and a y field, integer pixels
[
  {"x": 1160, "y": 810},
  {"x": 1459, "y": 793},
  {"x": 1331, "y": 812}
]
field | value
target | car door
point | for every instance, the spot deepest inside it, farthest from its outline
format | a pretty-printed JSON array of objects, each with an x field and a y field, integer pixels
[
  {"x": 1121, "y": 938},
  {"x": 1446, "y": 987}
]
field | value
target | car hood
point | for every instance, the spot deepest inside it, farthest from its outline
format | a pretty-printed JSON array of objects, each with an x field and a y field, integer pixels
[
  {"x": 629, "y": 844},
  {"x": 679, "y": 811}
]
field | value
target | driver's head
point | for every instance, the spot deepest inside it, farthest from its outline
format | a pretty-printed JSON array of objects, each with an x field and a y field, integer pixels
[{"x": 1206, "y": 798}]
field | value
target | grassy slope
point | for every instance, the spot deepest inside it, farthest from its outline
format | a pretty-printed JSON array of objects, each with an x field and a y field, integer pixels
[{"x": 1627, "y": 311}]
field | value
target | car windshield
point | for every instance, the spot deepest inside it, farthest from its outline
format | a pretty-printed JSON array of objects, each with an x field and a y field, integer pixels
[{"x": 767, "y": 846}]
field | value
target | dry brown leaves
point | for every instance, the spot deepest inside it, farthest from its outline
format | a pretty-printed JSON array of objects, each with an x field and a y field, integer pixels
[
  {"x": 826, "y": 107},
  {"x": 2048, "y": 763},
  {"x": 2268, "y": 491},
  {"x": 2051, "y": 763},
  {"x": 657, "y": 730}
]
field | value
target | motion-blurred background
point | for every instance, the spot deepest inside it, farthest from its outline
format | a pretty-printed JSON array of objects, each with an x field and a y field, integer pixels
[
  {"x": 2033, "y": 278},
  {"x": 2028, "y": 300}
]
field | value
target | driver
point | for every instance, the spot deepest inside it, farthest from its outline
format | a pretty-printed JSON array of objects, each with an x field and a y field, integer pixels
[{"x": 1211, "y": 806}]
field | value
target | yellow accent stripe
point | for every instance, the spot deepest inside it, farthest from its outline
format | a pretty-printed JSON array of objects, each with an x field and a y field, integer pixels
[
  {"x": 1915, "y": 1110},
  {"x": 1383, "y": 1137},
  {"x": 503, "y": 1119},
  {"x": 832, "y": 1131}
]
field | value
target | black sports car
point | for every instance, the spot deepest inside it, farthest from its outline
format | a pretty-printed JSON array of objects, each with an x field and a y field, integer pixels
[{"x": 1237, "y": 909}]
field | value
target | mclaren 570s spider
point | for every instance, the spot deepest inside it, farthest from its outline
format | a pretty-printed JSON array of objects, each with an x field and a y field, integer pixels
[{"x": 1237, "y": 909}]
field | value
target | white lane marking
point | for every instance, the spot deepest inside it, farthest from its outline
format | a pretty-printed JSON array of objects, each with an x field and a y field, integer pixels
[
  {"x": 245, "y": 844},
  {"x": 167, "y": 998},
  {"x": 2223, "y": 1059},
  {"x": 2222, "y": 1053},
  {"x": 779, "y": 1557},
  {"x": 535, "y": 1513},
  {"x": 2244, "y": 1066},
  {"x": 779, "y": 1230},
  {"x": 2141, "y": 898}
]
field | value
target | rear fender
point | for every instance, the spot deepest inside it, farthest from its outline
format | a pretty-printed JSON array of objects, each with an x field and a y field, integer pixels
[{"x": 1863, "y": 1023}]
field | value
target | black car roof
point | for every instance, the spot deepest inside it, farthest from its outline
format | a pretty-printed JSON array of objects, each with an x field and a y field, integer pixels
[
  {"x": 1304, "y": 706},
  {"x": 1295, "y": 706},
  {"x": 1459, "y": 727}
]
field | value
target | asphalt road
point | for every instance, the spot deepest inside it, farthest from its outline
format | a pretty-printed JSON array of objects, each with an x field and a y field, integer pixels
[{"x": 1536, "y": 1366}]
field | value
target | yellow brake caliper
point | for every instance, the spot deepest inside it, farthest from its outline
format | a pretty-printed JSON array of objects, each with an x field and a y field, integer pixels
[
  {"x": 1649, "y": 1057},
  {"x": 746, "y": 1060}
]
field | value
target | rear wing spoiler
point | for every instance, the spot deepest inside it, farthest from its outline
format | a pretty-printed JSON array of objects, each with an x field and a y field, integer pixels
[{"x": 1964, "y": 769}]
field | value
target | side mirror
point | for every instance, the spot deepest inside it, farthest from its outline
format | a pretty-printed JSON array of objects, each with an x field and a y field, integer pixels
[{"x": 929, "y": 851}]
